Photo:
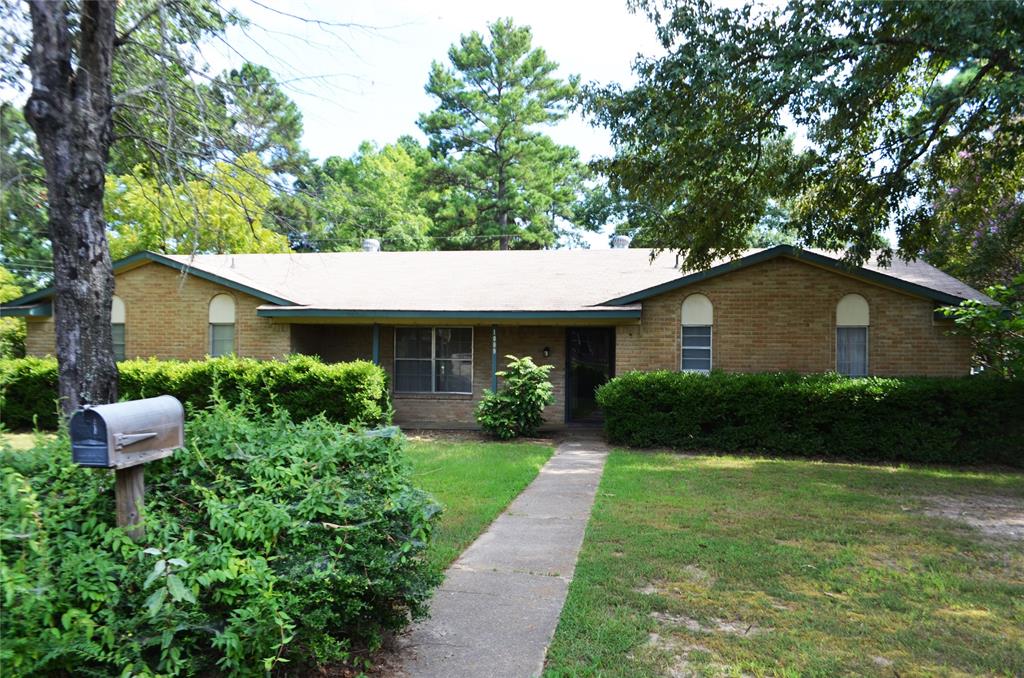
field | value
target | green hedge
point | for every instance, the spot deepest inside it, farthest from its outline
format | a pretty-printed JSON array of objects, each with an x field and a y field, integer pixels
[
  {"x": 303, "y": 386},
  {"x": 949, "y": 421},
  {"x": 271, "y": 547}
]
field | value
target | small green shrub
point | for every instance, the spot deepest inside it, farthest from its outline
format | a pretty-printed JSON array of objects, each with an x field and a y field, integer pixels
[
  {"x": 516, "y": 408},
  {"x": 952, "y": 421},
  {"x": 269, "y": 545},
  {"x": 303, "y": 386}
]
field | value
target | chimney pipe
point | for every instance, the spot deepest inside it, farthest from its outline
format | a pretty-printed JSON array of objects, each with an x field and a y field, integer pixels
[
  {"x": 620, "y": 242},
  {"x": 371, "y": 245}
]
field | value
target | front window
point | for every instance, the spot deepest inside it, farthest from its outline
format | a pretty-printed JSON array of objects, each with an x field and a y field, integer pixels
[
  {"x": 853, "y": 317},
  {"x": 117, "y": 322},
  {"x": 697, "y": 319},
  {"x": 222, "y": 325},
  {"x": 434, "y": 359}
]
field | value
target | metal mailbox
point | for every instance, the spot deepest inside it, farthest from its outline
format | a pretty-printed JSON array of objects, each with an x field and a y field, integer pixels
[{"x": 121, "y": 435}]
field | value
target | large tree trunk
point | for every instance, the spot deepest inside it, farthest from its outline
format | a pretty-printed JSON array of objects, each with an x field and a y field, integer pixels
[{"x": 70, "y": 111}]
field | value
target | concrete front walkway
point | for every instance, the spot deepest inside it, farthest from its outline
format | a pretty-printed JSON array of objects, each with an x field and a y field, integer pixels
[{"x": 498, "y": 607}]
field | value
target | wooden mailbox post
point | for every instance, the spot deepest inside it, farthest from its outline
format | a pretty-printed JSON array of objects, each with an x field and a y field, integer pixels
[{"x": 124, "y": 436}]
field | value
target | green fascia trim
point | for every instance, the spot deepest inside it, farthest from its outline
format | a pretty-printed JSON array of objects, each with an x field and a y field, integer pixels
[
  {"x": 795, "y": 253},
  {"x": 134, "y": 259},
  {"x": 490, "y": 315},
  {"x": 32, "y": 311}
]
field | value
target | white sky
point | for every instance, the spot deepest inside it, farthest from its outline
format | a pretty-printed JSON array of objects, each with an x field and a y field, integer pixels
[{"x": 372, "y": 80}]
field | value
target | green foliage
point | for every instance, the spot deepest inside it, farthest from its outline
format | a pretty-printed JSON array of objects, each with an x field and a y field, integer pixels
[
  {"x": 216, "y": 214},
  {"x": 888, "y": 95},
  {"x": 12, "y": 330},
  {"x": 516, "y": 408},
  {"x": 503, "y": 182},
  {"x": 377, "y": 193},
  {"x": 269, "y": 544},
  {"x": 951, "y": 421},
  {"x": 996, "y": 331},
  {"x": 24, "y": 243},
  {"x": 301, "y": 386}
]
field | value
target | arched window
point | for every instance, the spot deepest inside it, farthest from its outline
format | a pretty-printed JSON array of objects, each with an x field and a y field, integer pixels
[
  {"x": 697, "y": 315},
  {"x": 852, "y": 321},
  {"x": 117, "y": 316},
  {"x": 222, "y": 325}
]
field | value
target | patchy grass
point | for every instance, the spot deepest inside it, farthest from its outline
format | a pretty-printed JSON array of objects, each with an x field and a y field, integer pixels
[
  {"x": 22, "y": 441},
  {"x": 474, "y": 481},
  {"x": 700, "y": 565}
]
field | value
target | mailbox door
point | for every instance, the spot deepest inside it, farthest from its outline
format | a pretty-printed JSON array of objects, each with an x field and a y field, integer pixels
[{"x": 89, "y": 440}]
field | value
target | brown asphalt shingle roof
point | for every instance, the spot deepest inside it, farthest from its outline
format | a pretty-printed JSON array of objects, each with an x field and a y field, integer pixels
[{"x": 544, "y": 280}]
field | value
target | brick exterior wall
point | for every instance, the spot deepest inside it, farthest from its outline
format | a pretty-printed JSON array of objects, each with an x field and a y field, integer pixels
[
  {"x": 780, "y": 315},
  {"x": 167, "y": 317},
  {"x": 40, "y": 337}
]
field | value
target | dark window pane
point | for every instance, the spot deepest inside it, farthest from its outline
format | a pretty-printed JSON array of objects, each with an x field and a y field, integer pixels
[
  {"x": 222, "y": 340},
  {"x": 852, "y": 351},
  {"x": 412, "y": 342},
  {"x": 117, "y": 333},
  {"x": 697, "y": 336},
  {"x": 696, "y": 361},
  {"x": 453, "y": 376},
  {"x": 412, "y": 375},
  {"x": 454, "y": 342}
]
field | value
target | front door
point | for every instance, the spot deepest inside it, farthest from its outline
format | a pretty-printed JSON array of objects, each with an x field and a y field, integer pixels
[{"x": 591, "y": 362}]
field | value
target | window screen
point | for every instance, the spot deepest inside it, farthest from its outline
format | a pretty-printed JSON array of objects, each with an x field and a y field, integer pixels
[
  {"x": 222, "y": 339},
  {"x": 434, "y": 359},
  {"x": 696, "y": 348},
  {"x": 852, "y": 351},
  {"x": 117, "y": 333}
]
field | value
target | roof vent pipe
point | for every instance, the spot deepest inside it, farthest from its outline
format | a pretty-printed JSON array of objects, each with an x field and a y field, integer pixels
[
  {"x": 371, "y": 245},
  {"x": 620, "y": 242}
]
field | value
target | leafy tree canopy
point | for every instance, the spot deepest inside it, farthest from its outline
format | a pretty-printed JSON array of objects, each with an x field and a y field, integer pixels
[
  {"x": 890, "y": 95},
  {"x": 503, "y": 182},
  {"x": 222, "y": 214},
  {"x": 24, "y": 243}
]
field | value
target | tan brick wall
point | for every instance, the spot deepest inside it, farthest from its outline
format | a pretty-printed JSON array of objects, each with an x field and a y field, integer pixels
[
  {"x": 40, "y": 337},
  {"x": 167, "y": 317},
  {"x": 780, "y": 315}
]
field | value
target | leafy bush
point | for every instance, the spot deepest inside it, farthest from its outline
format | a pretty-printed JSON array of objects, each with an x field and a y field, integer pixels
[
  {"x": 303, "y": 386},
  {"x": 953, "y": 421},
  {"x": 267, "y": 542},
  {"x": 515, "y": 409},
  {"x": 996, "y": 331}
]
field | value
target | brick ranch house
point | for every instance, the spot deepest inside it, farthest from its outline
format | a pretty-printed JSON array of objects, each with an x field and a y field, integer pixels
[{"x": 441, "y": 323}]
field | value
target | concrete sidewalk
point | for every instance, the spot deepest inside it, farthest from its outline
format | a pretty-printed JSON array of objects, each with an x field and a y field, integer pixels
[{"x": 497, "y": 609}]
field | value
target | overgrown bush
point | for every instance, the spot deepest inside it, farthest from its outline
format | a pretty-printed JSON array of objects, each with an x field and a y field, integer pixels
[
  {"x": 952, "y": 421},
  {"x": 302, "y": 385},
  {"x": 270, "y": 545},
  {"x": 515, "y": 409}
]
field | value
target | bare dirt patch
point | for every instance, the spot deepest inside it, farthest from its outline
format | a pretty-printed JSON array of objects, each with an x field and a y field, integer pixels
[
  {"x": 995, "y": 516},
  {"x": 735, "y": 628},
  {"x": 688, "y": 660}
]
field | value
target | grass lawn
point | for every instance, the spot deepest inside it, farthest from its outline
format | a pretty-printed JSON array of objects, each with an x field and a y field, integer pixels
[
  {"x": 22, "y": 441},
  {"x": 474, "y": 481},
  {"x": 699, "y": 565}
]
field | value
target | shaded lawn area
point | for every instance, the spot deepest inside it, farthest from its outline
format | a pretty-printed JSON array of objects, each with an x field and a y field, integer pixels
[
  {"x": 474, "y": 482},
  {"x": 701, "y": 565}
]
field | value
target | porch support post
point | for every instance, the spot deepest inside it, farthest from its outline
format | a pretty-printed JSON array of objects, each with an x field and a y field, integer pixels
[
  {"x": 494, "y": 357},
  {"x": 376, "y": 344}
]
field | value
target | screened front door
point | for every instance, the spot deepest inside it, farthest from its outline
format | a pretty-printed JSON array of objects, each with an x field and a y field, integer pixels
[{"x": 590, "y": 363}]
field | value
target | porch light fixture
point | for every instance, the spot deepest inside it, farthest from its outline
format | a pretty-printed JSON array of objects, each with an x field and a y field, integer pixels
[{"x": 547, "y": 352}]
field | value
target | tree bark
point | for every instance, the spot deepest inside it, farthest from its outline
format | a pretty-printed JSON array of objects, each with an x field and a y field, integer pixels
[{"x": 70, "y": 110}]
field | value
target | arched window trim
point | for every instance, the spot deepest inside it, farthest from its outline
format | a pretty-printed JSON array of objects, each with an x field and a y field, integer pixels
[
  {"x": 696, "y": 317},
  {"x": 853, "y": 322},
  {"x": 222, "y": 324}
]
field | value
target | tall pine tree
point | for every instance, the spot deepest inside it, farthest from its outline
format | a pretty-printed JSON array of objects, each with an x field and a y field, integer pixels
[{"x": 503, "y": 181}]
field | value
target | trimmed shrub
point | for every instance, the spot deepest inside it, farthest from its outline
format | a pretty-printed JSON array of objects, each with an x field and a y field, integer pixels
[
  {"x": 950, "y": 421},
  {"x": 303, "y": 386},
  {"x": 270, "y": 545},
  {"x": 515, "y": 410}
]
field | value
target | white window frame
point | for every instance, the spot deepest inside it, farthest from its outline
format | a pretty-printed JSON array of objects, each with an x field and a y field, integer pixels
[
  {"x": 710, "y": 349},
  {"x": 233, "y": 325},
  {"x": 433, "y": 357}
]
